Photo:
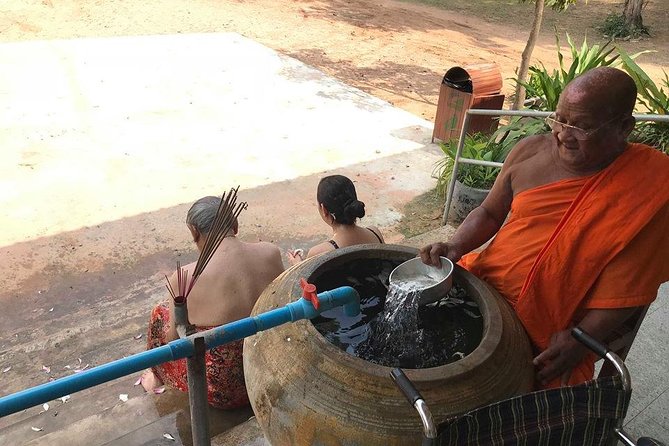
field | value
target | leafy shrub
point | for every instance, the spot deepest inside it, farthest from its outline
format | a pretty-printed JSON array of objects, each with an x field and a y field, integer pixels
[
  {"x": 654, "y": 99},
  {"x": 516, "y": 129},
  {"x": 615, "y": 27},
  {"x": 477, "y": 146},
  {"x": 547, "y": 86},
  {"x": 654, "y": 134},
  {"x": 482, "y": 147}
]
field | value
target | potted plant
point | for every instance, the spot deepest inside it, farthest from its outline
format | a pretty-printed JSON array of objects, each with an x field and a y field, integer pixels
[{"x": 473, "y": 182}]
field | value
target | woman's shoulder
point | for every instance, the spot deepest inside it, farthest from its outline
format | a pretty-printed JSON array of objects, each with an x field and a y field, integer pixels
[
  {"x": 267, "y": 246},
  {"x": 377, "y": 232},
  {"x": 259, "y": 247},
  {"x": 320, "y": 248}
]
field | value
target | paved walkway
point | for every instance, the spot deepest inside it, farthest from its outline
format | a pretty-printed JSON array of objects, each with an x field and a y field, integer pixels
[
  {"x": 95, "y": 130},
  {"x": 648, "y": 362}
]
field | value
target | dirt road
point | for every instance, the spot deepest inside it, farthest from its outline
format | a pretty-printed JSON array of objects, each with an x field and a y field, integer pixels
[{"x": 397, "y": 51}]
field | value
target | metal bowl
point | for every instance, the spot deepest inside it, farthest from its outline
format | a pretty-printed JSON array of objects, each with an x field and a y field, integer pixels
[{"x": 440, "y": 280}]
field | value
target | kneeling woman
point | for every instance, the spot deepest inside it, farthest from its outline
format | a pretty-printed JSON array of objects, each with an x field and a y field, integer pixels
[
  {"x": 339, "y": 207},
  {"x": 226, "y": 291}
]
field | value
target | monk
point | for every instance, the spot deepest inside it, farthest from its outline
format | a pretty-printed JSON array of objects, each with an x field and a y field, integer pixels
[
  {"x": 226, "y": 291},
  {"x": 587, "y": 237}
]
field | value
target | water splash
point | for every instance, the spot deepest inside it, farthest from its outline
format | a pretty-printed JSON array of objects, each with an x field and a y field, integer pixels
[
  {"x": 397, "y": 332},
  {"x": 392, "y": 329}
]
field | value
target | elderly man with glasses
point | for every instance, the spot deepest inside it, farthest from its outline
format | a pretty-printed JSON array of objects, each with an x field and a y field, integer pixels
[{"x": 587, "y": 235}]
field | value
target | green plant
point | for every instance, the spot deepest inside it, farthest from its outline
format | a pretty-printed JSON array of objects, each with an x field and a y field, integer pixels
[
  {"x": 654, "y": 99},
  {"x": 477, "y": 146},
  {"x": 654, "y": 134},
  {"x": 616, "y": 27},
  {"x": 547, "y": 86},
  {"x": 516, "y": 129}
]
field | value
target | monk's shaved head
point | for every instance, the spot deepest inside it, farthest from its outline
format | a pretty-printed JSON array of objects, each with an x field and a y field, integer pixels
[
  {"x": 608, "y": 89},
  {"x": 594, "y": 119}
]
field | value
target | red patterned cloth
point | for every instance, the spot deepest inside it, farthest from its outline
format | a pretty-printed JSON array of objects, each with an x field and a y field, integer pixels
[{"x": 225, "y": 371}]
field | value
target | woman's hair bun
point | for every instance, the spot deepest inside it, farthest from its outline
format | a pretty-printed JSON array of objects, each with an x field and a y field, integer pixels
[
  {"x": 354, "y": 209},
  {"x": 337, "y": 194}
]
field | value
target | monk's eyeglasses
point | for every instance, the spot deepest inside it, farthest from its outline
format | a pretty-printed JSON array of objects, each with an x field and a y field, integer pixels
[{"x": 578, "y": 133}]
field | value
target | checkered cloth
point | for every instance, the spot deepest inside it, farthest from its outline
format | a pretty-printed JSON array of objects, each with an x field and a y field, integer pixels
[{"x": 578, "y": 415}]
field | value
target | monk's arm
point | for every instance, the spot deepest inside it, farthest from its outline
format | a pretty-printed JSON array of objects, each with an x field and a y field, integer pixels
[
  {"x": 483, "y": 222},
  {"x": 479, "y": 227},
  {"x": 600, "y": 323},
  {"x": 565, "y": 352}
]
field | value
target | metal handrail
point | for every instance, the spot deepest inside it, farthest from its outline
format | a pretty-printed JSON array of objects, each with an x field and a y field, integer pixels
[
  {"x": 181, "y": 348},
  {"x": 523, "y": 113}
]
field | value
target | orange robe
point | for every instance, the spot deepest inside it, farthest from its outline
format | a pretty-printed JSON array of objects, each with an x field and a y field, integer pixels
[{"x": 600, "y": 241}]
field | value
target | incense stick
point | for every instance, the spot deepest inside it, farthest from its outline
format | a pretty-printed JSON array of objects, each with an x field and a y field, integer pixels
[{"x": 226, "y": 215}]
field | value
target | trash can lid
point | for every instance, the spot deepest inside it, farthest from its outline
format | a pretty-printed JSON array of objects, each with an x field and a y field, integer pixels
[{"x": 482, "y": 79}]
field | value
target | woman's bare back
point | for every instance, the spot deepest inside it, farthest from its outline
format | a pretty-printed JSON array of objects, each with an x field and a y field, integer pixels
[{"x": 233, "y": 280}]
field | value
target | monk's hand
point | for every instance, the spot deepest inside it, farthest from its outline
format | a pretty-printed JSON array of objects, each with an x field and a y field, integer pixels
[
  {"x": 559, "y": 359},
  {"x": 430, "y": 254}
]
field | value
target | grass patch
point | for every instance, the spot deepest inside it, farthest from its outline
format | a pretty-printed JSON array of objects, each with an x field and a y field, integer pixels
[{"x": 422, "y": 214}]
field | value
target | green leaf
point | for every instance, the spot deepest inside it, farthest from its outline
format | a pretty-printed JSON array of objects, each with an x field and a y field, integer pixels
[
  {"x": 656, "y": 100},
  {"x": 548, "y": 85}
]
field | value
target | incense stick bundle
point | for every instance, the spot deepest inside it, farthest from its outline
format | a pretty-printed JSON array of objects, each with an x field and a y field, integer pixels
[
  {"x": 182, "y": 280},
  {"x": 226, "y": 215}
]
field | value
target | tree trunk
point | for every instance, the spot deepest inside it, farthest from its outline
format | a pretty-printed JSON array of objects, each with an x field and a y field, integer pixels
[
  {"x": 632, "y": 13},
  {"x": 527, "y": 53}
]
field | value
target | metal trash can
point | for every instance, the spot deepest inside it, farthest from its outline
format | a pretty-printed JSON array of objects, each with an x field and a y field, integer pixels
[{"x": 469, "y": 86}]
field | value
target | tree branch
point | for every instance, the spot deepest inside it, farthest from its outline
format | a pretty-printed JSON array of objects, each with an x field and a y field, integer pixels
[{"x": 527, "y": 53}]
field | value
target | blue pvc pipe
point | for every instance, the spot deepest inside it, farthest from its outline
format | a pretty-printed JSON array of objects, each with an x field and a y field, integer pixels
[{"x": 180, "y": 348}]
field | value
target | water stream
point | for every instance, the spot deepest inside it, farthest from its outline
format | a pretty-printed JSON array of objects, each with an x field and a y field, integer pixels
[{"x": 392, "y": 330}]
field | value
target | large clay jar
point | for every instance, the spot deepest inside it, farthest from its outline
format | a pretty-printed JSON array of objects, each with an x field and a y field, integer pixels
[{"x": 306, "y": 391}]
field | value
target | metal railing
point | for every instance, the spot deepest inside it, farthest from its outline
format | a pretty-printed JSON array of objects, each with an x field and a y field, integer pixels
[
  {"x": 522, "y": 113},
  {"x": 192, "y": 347}
]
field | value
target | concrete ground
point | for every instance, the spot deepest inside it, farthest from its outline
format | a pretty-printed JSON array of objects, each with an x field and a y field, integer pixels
[
  {"x": 648, "y": 362},
  {"x": 106, "y": 142}
]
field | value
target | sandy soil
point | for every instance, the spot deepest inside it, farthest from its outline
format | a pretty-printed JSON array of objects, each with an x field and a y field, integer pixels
[{"x": 397, "y": 51}]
